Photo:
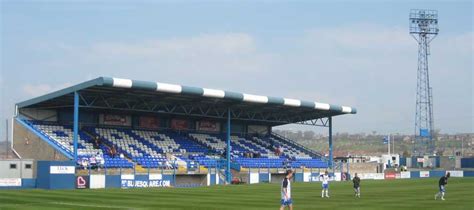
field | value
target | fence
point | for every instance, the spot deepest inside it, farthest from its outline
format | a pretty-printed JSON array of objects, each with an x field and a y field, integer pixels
[{"x": 65, "y": 175}]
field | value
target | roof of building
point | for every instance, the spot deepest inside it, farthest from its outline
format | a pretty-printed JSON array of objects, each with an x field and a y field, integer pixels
[{"x": 156, "y": 97}]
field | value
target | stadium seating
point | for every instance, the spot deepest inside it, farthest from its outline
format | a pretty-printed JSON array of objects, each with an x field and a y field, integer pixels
[
  {"x": 168, "y": 149},
  {"x": 212, "y": 142},
  {"x": 62, "y": 136},
  {"x": 289, "y": 151}
]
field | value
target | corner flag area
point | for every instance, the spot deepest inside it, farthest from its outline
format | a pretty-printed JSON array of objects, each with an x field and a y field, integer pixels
[{"x": 396, "y": 194}]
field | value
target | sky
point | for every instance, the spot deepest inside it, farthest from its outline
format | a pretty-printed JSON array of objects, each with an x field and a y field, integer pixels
[{"x": 355, "y": 53}]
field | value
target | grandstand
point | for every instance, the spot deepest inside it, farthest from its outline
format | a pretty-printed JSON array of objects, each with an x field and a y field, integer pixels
[{"x": 154, "y": 125}]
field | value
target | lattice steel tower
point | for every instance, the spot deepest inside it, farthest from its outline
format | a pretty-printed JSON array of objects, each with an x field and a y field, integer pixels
[{"x": 424, "y": 28}]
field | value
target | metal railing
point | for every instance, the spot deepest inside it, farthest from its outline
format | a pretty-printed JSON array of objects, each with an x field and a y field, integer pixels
[{"x": 312, "y": 152}]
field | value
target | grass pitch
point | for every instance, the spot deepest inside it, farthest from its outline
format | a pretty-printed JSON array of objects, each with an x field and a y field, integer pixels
[{"x": 395, "y": 194}]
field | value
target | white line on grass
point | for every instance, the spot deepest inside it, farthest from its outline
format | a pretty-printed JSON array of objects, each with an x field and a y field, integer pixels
[{"x": 92, "y": 205}]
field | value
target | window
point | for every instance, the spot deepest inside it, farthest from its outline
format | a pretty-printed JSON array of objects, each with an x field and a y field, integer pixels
[
  {"x": 27, "y": 166},
  {"x": 12, "y": 165}
]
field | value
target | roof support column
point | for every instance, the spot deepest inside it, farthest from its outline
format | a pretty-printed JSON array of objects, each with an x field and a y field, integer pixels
[
  {"x": 76, "y": 123},
  {"x": 330, "y": 143},
  {"x": 228, "y": 173}
]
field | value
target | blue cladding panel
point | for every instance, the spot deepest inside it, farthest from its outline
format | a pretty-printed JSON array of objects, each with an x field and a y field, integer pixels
[
  {"x": 437, "y": 173},
  {"x": 141, "y": 177},
  {"x": 414, "y": 174},
  {"x": 28, "y": 183},
  {"x": 192, "y": 90},
  {"x": 46, "y": 180},
  {"x": 143, "y": 85},
  {"x": 467, "y": 162},
  {"x": 263, "y": 177},
  {"x": 403, "y": 161},
  {"x": 299, "y": 177},
  {"x": 66, "y": 116},
  {"x": 414, "y": 162},
  {"x": 113, "y": 181},
  {"x": 170, "y": 178},
  {"x": 42, "y": 176},
  {"x": 234, "y": 96},
  {"x": 468, "y": 174},
  {"x": 276, "y": 100},
  {"x": 213, "y": 179}
]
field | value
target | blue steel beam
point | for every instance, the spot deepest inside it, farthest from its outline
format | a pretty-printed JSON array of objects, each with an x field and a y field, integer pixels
[
  {"x": 330, "y": 143},
  {"x": 76, "y": 123},
  {"x": 228, "y": 173}
]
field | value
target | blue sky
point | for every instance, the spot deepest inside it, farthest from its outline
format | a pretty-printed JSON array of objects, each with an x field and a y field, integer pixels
[{"x": 341, "y": 52}]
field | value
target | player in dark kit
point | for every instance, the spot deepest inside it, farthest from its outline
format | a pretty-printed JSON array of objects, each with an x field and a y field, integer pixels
[
  {"x": 442, "y": 182},
  {"x": 356, "y": 182}
]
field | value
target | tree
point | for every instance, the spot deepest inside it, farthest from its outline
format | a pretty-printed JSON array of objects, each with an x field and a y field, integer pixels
[
  {"x": 299, "y": 135},
  {"x": 439, "y": 153},
  {"x": 406, "y": 153},
  {"x": 308, "y": 134}
]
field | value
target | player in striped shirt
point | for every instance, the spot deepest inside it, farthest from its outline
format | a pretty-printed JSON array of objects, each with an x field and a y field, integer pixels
[
  {"x": 286, "y": 191},
  {"x": 324, "y": 178}
]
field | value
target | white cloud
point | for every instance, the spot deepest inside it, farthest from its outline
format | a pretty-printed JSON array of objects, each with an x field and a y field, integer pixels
[
  {"x": 371, "y": 67},
  {"x": 189, "y": 60},
  {"x": 208, "y": 44}
]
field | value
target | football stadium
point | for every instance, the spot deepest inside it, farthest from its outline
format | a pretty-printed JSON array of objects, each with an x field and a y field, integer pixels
[
  {"x": 111, "y": 141},
  {"x": 326, "y": 129}
]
